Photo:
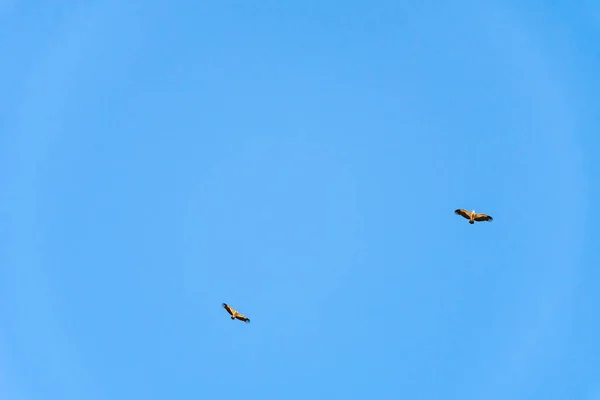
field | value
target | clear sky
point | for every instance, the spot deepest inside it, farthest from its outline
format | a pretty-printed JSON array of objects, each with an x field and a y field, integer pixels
[{"x": 301, "y": 161}]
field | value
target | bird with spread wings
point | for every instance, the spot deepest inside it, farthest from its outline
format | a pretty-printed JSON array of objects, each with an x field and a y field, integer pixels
[
  {"x": 472, "y": 216},
  {"x": 234, "y": 314}
]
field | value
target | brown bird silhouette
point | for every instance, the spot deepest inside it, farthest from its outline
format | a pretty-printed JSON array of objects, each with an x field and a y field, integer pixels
[
  {"x": 234, "y": 314},
  {"x": 473, "y": 216}
]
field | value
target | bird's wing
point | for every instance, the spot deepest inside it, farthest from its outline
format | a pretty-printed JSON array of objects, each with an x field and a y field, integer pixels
[
  {"x": 242, "y": 317},
  {"x": 483, "y": 217},
  {"x": 228, "y": 308},
  {"x": 462, "y": 212}
]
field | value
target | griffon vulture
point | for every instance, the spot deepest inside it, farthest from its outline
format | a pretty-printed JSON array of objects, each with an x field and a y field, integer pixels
[
  {"x": 473, "y": 216},
  {"x": 234, "y": 314}
]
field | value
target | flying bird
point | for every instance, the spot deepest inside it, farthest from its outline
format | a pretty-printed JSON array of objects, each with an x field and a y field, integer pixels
[
  {"x": 234, "y": 314},
  {"x": 473, "y": 216}
]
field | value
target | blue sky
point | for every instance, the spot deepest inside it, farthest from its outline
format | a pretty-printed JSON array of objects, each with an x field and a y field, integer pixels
[{"x": 300, "y": 161}]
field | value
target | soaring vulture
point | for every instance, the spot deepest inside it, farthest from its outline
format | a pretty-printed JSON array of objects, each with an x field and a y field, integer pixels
[
  {"x": 234, "y": 314},
  {"x": 473, "y": 216}
]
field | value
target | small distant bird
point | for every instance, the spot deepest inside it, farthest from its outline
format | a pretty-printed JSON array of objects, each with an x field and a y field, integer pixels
[
  {"x": 473, "y": 216},
  {"x": 234, "y": 314}
]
